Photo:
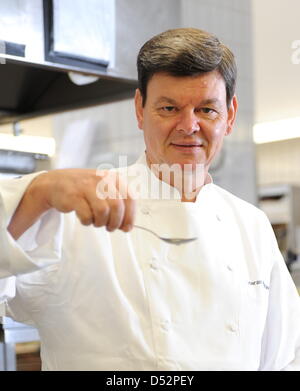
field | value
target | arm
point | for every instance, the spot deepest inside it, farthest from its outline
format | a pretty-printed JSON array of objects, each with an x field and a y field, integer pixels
[
  {"x": 73, "y": 190},
  {"x": 31, "y": 207},
  {"x": 28, "y": 198},
  {"x": 281, "y": 340}
]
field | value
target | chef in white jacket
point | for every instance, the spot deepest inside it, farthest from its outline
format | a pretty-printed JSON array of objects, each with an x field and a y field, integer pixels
[{"x": 106, "y": 296}]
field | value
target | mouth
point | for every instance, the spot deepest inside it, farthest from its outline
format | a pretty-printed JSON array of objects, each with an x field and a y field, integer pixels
[
  {"x": 188, "y": 146},
  {"x": 192, "y": 149}
]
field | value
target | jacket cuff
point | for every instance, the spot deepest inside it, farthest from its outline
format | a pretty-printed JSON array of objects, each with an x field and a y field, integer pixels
[{"x": 39, "y": 246}]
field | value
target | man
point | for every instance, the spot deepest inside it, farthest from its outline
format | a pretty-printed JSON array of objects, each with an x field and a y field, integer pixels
[{"x": 107, "y": 296}]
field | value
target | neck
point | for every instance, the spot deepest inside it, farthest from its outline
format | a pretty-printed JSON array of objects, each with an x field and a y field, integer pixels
[{"x": 187, "y": 182}]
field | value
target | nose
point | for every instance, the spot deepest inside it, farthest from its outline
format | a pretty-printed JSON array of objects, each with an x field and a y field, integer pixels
[{"x": 188, "y": 122}]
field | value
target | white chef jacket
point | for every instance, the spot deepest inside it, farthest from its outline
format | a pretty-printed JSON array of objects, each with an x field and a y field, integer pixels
[{"x": 129, "y": 301}]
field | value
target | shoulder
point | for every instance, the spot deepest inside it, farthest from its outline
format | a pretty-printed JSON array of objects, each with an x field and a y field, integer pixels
[
  {"x": 240, "y": 208},
  {"x": 254, "y": 227}
]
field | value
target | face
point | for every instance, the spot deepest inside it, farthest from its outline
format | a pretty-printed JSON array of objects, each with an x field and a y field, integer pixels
[{"x": 185, "y": 118}]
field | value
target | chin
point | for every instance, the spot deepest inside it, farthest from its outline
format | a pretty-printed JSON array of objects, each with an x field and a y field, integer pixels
[{"x": 188, "y": 164}]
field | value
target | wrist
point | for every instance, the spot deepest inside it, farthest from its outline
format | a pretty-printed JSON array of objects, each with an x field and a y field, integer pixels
[{"x": 37, "y": 193}]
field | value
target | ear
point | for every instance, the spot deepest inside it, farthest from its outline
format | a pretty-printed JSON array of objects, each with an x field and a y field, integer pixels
[
  {"x": 231, "y": 115},
  {"x": 139, "y": 110}
]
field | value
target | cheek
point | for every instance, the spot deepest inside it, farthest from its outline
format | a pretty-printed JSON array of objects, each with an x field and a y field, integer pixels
[
  {"x": 216, "y": 134},
  {"x": 161, "y": 130},
  {"x": 154, "y": 136}
]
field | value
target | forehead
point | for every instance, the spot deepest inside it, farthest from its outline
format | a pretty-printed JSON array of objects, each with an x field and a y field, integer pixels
[{"x": 207, "y": 85}]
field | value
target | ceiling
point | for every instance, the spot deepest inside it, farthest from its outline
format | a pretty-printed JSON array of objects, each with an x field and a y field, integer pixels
[{"x": 276, "y": 24}]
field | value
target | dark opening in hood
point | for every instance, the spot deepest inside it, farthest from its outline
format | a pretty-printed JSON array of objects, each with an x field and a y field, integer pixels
[{"x": 28, "y": 90}]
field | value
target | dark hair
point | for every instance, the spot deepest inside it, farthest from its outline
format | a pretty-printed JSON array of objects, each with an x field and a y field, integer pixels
[{"x": 185, "y": 52}]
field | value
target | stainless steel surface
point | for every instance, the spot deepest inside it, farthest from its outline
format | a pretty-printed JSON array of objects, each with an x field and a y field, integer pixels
[
  {"x": 176, "y": 241},
  {"x": 43, "y": 89},
  {"x": 36, "y": 86},
  {"x": 136, "y": 22}
]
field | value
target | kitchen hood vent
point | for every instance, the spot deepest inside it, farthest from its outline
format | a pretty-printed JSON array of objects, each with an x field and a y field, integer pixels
[
  {"x": 29, "y": 90},
  {"x": 45, "y": 48}
]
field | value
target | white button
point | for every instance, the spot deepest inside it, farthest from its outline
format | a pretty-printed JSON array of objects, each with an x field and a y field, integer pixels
[
  {"x": 232, "y": 327},
  {"x": 218, "y": 217},
  {"x": 145, "y": 210},
  {"x": 171, "y": 258},
  {"x": 229, "y": 268},
  {"x": 154, "y": 264},
  {"x": 165, "y": 325}
]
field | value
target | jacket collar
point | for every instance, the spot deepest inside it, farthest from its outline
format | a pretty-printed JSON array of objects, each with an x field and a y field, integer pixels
[{"x": 151, "y": 187}]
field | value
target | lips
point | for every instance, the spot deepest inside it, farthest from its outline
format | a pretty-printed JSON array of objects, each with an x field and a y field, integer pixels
[{"x": 186, "y": 145}]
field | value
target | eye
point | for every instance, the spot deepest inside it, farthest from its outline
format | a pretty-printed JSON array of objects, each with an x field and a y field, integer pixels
[
  {"x": 168, "y": 109},
  {"x": 208, "y": 113},
  {"x": 207, "y": 110}
]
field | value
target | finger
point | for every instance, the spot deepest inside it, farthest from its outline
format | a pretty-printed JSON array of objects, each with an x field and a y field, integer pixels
[
  {"x": 83, "y": 211},
  {"x": 114, "y": 189},
  {"x": 116, "y": 214},
  {"x": 129, "y": 203},
  {"x": 108, "y": 209},
  {"x": 101, "y": 212},
  {"x": 129, "y": 214},
  {"x": 106, "y": 187},
  {"x": 99, "y": 207}
]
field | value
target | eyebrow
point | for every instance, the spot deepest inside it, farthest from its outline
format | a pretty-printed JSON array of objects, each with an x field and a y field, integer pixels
[
  {"x": 162, "y": 99},
  {"x": 209, "y": 101}
]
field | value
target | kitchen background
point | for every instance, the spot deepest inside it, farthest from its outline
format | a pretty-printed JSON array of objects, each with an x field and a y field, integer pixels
[{"x": 51, "y": 117}]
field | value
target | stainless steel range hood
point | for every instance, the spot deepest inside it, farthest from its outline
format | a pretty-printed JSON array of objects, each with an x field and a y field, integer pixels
[
  {"x": 34, "y": 83},
  {"x": 34, "y": 76},
  {"x": 30, "y": 89}
]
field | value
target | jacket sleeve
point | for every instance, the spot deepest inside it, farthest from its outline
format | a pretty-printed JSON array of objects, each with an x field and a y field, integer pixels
[
  {"x": 281, "y": 339},
  {"x": 38, "y": 247}
]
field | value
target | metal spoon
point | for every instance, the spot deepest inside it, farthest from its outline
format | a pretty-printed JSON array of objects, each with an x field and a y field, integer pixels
[{"x": 176, "y": 241}]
